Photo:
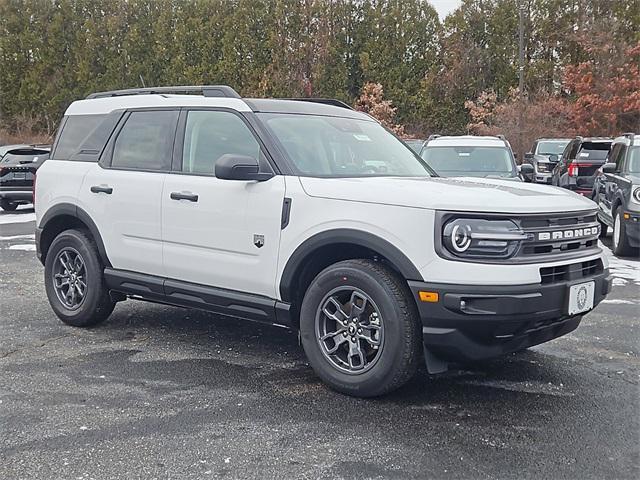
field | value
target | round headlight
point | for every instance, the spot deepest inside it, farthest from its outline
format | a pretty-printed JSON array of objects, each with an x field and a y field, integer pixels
[
  {"x": 636, "y": 195},
  {"x": 479, "y": 237},
  {"x": 461, "y": 237}
]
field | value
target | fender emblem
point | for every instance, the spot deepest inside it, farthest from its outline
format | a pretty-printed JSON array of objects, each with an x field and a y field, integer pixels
[{"x": 258, "y": 241}]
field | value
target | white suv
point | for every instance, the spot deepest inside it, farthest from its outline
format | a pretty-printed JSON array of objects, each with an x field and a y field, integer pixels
[
  {"x": 473, "y": 156},
  {"x": 311, "y": 215}
]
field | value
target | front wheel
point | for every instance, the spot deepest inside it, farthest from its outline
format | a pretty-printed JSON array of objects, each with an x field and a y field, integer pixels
[
  {"x": 74, "y": 280},
  {"x": 604, "y": 228},
  {"x": 621, "y": 246},
  {"x": 360, "y": 328},
  {"x": 8, "y": 205}
]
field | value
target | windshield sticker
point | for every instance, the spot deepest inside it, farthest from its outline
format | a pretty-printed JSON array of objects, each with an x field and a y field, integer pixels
[
  {"x": 584, "y": 154},
  {"x": 361, "y": 137},
  {"x": 463, "y": 154}
]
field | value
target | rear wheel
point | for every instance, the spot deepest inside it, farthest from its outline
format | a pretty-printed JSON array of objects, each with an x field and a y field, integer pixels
[
  {"x": 360, "y": 328},
  {"x": 74, "y": 281},
  {"x": 621, "y": 245},
  {"x": 8, "y": 205}
]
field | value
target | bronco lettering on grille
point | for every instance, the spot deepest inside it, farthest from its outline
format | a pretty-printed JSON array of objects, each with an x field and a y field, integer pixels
[{"x": 567, "y": 234}]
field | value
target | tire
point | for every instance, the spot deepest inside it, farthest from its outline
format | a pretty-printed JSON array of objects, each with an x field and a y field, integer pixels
[
  {"x": 8, "y": 205},
  {"x": 95, "y": 305},
  {"x": 604, "y": 229},
  {"x": 620, "y": 241},
  {"x": 390, "y": 318}
]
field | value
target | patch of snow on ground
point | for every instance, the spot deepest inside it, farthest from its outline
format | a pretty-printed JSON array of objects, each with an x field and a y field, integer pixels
[
  {"x": 31, "y": 236},
  {"x": 618, "y": 301},
  {"x": 622, "y": 270},
  {"x": 7, "y": 218},
  {"x": 27, "y": 247}
]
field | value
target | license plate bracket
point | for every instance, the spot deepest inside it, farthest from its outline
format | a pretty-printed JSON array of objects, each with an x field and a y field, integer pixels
[{"x": 581, "y": 297}]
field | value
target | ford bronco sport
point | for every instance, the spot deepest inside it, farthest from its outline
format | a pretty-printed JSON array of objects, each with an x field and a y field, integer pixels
[
  {"x": 617, "y": 193},
  {"x": 311, "y": 215}
]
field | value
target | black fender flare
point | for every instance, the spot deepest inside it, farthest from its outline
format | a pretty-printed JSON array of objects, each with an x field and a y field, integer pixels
[
  {"x": 68, "y": 209},
  {"x": 341, "y": 236}
]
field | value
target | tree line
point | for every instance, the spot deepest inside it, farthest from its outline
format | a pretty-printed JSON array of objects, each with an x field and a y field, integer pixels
[{"x": 435, "y": 73}]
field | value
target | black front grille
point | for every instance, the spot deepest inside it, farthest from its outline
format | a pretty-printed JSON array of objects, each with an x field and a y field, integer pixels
[
  {"x": 559, "y": 235},
  {"x": 574, "y": 271},
  {"x": 554, "y": 274}
]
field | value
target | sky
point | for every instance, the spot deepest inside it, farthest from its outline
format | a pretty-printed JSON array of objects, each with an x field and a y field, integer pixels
[{"x": 444, "y": 7}]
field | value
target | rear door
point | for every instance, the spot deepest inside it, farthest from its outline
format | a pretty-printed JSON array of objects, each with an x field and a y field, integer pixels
[
  {"x": 123, "y": 192},
  {"x": 220, "y": 233}
]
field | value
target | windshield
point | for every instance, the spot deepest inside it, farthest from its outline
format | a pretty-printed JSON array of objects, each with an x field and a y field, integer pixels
[
  {"x": 470, "y": 161},
  {"x": 322, "y": 146},
  {"x": 555, "y": 147},
  {"x": 634, "y": 160}
]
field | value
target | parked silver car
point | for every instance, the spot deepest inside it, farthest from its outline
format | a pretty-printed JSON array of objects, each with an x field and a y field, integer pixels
[{"x": 544, "y": 155}]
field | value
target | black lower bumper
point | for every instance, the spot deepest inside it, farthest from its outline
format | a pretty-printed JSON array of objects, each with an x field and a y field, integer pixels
[
  {"x": 471, "y": 322},
  {"x": 16, "y": 195},
  {"x": 632, "y": 228}
]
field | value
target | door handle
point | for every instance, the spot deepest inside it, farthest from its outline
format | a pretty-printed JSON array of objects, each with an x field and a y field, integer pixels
[
  {"x": 102, "y": 189},
  {"x": 192, "y": 197}
]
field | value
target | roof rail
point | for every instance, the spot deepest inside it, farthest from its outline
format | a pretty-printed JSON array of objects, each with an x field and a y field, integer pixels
[
  {"x": 205, "y": 90},
  {"x": 432, "y": 137},
  {"x": 630, "y": 136},
  {"x": 325, "y": 101}
]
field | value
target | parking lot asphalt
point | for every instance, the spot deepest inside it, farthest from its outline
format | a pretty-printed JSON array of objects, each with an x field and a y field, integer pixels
[{"x": 163, "y": 392}]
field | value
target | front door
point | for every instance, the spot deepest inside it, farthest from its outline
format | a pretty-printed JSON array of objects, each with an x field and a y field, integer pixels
[{"x": 220, "y": 233}]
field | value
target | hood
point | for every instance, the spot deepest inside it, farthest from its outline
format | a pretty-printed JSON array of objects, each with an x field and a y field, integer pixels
[
  {"x": 455, "y": 194},
  {"x": 635, "y": 178},
  {"x": 544, "y": 158}
]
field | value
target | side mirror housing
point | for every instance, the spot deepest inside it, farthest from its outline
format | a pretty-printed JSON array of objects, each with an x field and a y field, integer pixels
[
  {"x": 239, "y": 167},
  {"x": 527, "y": 171},
  {"x": 528, "y": 156},
  {"x": 609, "y": 167}
]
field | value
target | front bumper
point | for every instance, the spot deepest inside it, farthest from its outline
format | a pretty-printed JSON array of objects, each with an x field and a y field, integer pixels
[
  {"x": 632, "y": 228},
  {"x": 471, "y": 322}
]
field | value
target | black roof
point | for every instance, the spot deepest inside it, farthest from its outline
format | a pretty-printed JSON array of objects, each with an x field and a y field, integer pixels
[{"x": 303, "y": 106}]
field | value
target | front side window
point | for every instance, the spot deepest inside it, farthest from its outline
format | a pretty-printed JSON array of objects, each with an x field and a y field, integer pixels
[
  {"x": 457, "y": 161},
  {"x": 212, "y": 134},
  {"x": 634, "y": 160},
  {"x": 322, "y": 146},
  {"x": 145, "y": 141}
]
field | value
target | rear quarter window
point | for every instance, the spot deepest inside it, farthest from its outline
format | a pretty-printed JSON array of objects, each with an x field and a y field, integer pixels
[{"x": 75, "y": 131}]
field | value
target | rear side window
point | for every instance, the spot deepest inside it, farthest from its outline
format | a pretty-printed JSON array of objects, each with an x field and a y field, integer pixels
[
  {"x": 145, "y": 141},
  {"x": 74, "y": 132}
]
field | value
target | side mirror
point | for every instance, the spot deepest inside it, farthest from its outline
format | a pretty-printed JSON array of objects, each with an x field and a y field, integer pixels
[
  {"x": 239, "y": 167},
  {"x": 528, "y": 156},
  {"x": 553, "y": 158},
  {"x": 609, "y": 168},
  {"x": 527, "y": 171}
]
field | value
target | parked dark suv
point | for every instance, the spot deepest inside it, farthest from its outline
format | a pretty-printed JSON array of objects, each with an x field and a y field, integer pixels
[
  {"x": 617, "y": 193},
  {"x": 579, "y": 164},
  {"x": 18, "y": 165}
]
